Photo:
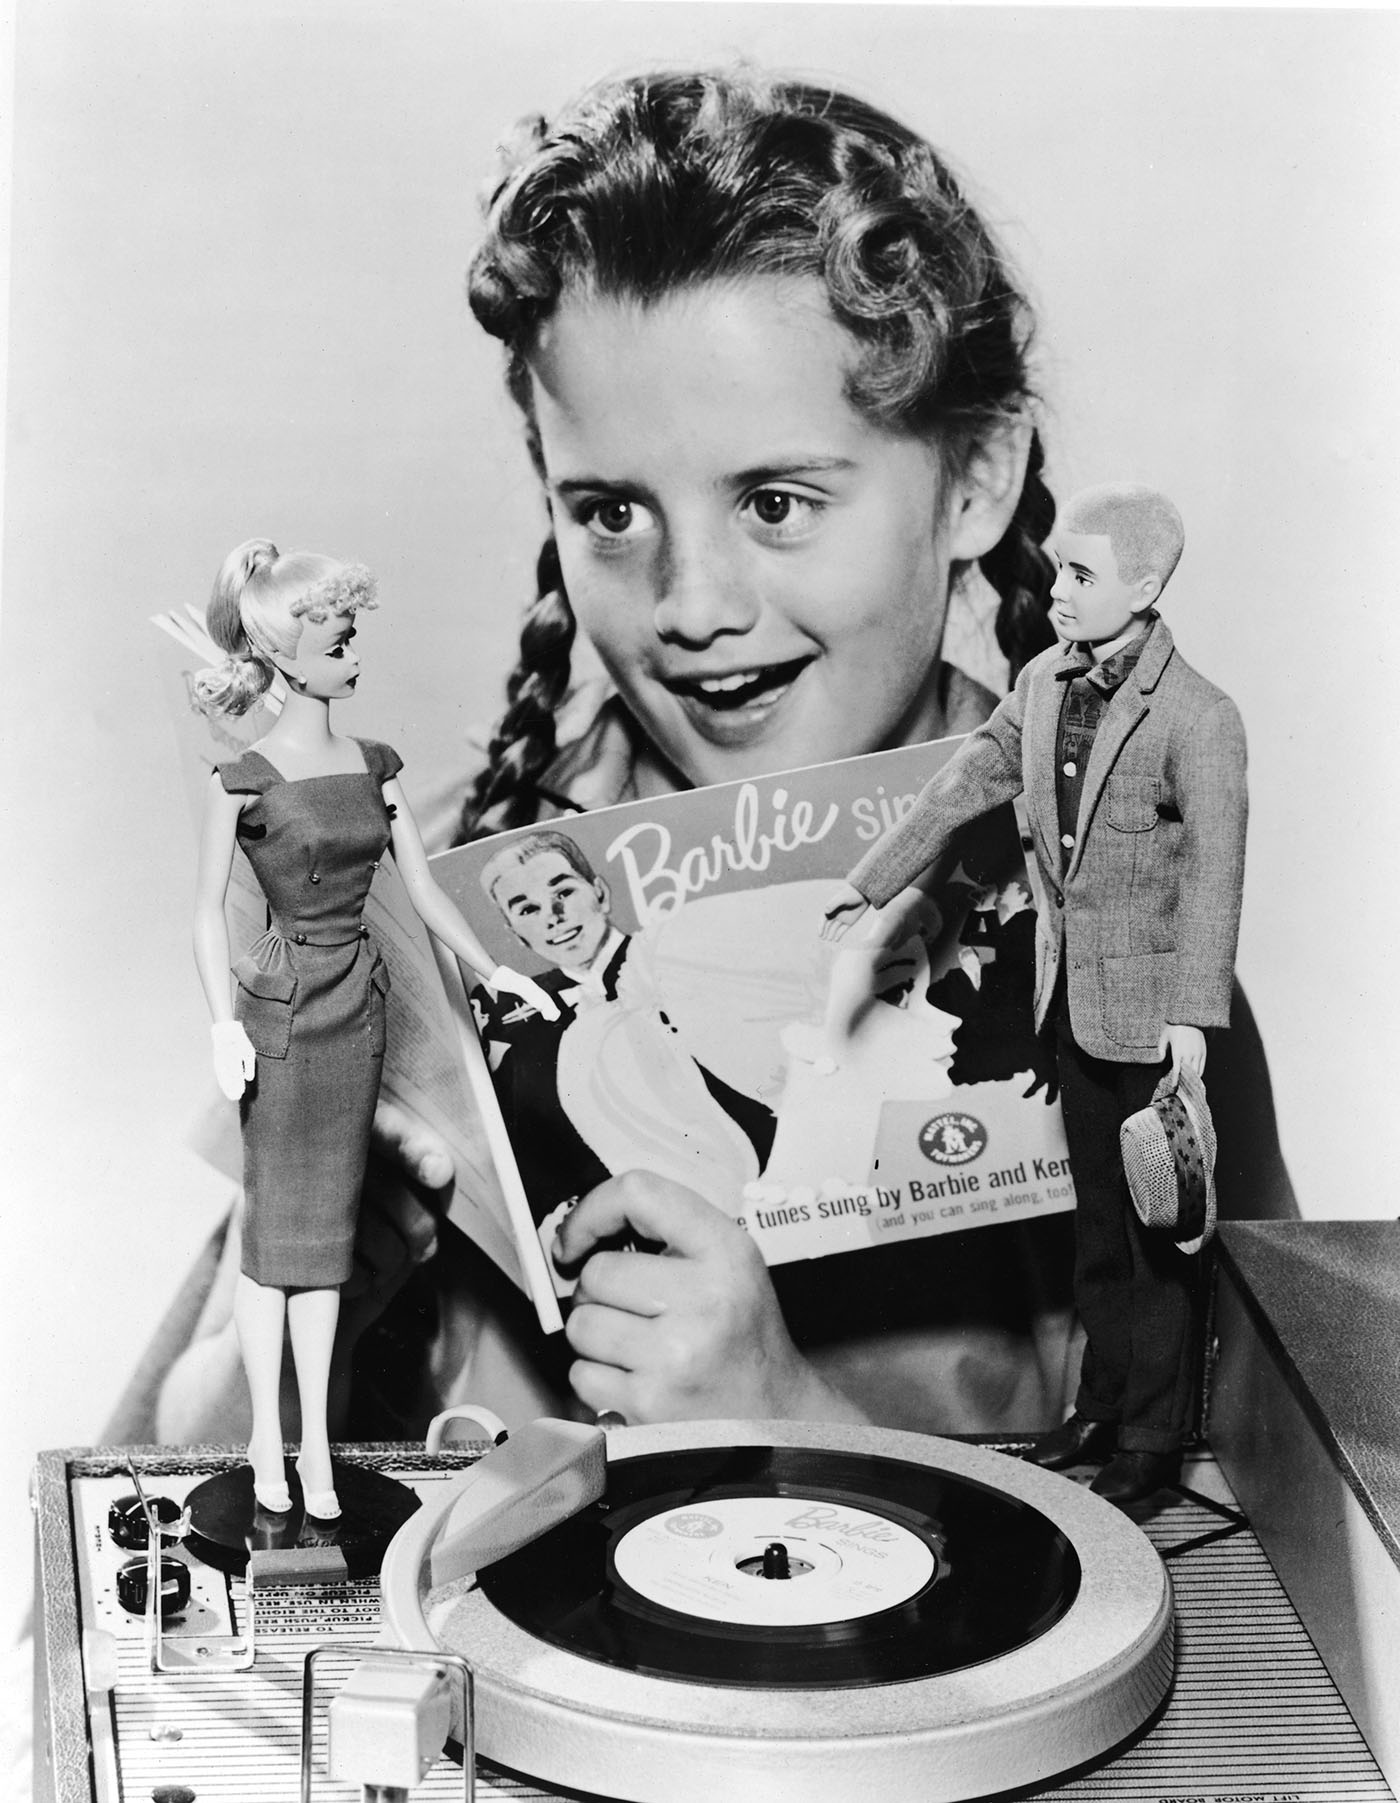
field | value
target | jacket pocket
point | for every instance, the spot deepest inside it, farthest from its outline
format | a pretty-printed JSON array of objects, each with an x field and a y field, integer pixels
[
  {"x": 265, "y": 1003},
  {"x": 1131, "y": 804},
  {"x": 378, "y": 992},
  {"x": 1133, "y": 994}
]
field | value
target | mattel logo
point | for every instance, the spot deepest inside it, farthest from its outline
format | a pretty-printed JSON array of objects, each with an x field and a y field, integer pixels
[
  {"x": 952, "y": 1139},
  {"x": 694, "y": 1526}
]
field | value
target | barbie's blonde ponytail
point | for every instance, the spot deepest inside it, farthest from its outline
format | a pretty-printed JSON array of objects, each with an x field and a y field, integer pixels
[{"x": 241, "y": 681}]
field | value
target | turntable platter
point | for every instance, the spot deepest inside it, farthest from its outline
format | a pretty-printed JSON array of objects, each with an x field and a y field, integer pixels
[{"x": 788, "y": 1611}]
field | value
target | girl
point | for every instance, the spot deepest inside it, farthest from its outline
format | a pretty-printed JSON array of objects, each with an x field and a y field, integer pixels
[
  {"x": 773, "y": 372},
  {"x": 690, "y": 273},
  {"x": 774, "y": 378},
  {"x": 302, "y": 1045}
]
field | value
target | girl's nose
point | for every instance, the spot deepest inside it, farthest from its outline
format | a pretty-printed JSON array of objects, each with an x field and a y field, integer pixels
[{"x": 701, "y": 593}]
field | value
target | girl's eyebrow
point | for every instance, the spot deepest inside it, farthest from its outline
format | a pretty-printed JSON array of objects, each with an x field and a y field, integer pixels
[
  {"x": 592, "y": 485},
  {"x": 799, "y": 463}
]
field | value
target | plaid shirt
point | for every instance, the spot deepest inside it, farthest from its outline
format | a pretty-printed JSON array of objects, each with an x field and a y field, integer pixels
[{"x": 1089, "y": 690}]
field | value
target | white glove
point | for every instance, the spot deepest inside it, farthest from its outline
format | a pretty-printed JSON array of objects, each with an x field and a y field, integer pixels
[
  {"x": 503, "y": 977},
  {"x": 234, "y": 1057}
]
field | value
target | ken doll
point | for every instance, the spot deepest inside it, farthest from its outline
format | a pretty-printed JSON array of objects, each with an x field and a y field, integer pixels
[{"x": 1133, "y": 769}]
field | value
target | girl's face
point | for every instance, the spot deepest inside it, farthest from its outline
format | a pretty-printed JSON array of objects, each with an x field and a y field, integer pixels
[{"x": 763, "y": 571}]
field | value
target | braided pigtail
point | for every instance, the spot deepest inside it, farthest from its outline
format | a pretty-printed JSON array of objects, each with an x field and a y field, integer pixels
[
  {"x": 1021, "y": 572},
  {"x": 524, "y": 744},
  {"x": 245, "y": 676},
  {"x": 659, "y": 183}
]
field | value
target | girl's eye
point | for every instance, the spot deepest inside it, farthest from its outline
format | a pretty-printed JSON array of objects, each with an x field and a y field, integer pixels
[
  {"x": 772, "y": 506},
  {"x": 778, "y": 509},
  {"x": 615, "y": 518}
]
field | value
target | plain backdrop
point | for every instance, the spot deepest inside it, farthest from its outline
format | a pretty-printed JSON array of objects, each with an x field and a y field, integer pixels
[{"x": 238, "y": 238}]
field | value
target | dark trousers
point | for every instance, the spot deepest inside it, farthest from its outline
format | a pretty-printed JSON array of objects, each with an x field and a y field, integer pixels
[{"x": 1139, "y": 1298}]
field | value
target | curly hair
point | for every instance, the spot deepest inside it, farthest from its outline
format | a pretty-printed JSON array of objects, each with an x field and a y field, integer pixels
[{"x": 661, "y": 182}]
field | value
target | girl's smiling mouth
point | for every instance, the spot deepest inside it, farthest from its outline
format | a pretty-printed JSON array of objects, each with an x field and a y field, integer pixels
[{"x": 753, "y": 690}]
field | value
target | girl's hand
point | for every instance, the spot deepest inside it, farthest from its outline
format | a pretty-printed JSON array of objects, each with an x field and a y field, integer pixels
[
  {"x": 234, "y": 1057},
  {"x": 503, "y": 977},
  {"x": 843, "y": 908},
  {"x": 689, "y": 1331}
]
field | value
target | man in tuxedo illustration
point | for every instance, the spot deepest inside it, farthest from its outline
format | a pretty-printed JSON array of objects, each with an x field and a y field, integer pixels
[{"x": 561, "y": 910}]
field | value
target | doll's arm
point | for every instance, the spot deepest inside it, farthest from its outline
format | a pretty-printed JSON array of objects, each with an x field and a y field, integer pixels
[
  {"x": 982, "y": 773},
  {"x": 440, "y": 915},
  {"x": 233, "y": 1054},
  {"x": 1214, "y": 811}
]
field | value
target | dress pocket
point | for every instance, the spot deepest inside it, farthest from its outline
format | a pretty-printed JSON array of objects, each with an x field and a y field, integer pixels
[
  {"x": 264, "y": 1004},
  {"x": 378, "y": 992}
]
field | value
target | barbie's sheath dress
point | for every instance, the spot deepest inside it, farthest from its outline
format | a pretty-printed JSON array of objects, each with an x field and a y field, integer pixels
[{"x": 311, "y": 998}]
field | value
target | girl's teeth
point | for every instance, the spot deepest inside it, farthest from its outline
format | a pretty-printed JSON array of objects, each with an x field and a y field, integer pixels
[{"x": 743, "y": 688}]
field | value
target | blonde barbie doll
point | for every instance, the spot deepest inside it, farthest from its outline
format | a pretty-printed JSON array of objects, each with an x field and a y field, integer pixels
[{"x": 299, "y": 1039}]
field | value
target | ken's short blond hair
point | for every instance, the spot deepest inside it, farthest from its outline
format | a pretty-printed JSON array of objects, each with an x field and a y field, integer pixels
[{"x": 1140, "y": 523}]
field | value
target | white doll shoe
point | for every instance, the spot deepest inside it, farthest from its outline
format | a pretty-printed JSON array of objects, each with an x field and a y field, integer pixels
[
  {"x": 323, "y": 1505},
  {"x": 275, "y": 1498}
]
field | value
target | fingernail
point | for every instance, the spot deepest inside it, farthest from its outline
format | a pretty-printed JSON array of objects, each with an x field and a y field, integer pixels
[{"x": 435, "y": 1169}]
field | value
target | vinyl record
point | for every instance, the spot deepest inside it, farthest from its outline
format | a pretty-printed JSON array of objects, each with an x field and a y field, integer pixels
[
  {"x": 1013, "y": 1627},
  {"x": 894, "y": 1571}
]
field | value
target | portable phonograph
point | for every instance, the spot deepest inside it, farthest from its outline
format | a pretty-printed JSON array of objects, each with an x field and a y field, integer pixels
[
  {"x": 791, "y": 1611},
  {"x": 756, "y": 1611}
]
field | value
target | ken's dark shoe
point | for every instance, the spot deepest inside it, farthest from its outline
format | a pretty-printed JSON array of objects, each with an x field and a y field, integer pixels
[
  {"x": 1074, "y": 1442},
  {"x": 1130, "y": 1477}
]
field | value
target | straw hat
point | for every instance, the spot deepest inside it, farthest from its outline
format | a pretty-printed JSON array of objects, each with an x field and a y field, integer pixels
[{"x": 1169, "y": 1159}]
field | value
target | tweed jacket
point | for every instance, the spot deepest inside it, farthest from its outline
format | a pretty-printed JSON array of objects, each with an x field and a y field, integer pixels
[{"x": 1142, "y": 913}]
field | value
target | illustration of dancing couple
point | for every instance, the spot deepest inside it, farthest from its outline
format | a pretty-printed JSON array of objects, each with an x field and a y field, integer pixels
[
  {"x": 723, "y": 1046},
  {"x": 607, "y": 1086}
]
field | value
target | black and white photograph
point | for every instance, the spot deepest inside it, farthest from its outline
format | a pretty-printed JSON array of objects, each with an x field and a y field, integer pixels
[{"x": 426, "y": 423}]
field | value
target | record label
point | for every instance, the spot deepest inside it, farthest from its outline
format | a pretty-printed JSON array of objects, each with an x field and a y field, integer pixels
[
  {"x": 773, "y": 1561},
  {"x": 894, "y": 1571}
]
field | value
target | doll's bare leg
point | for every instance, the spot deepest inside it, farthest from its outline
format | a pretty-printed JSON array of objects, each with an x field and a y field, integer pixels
[
  {"x": 312, "y": 1315},
  {"x": 260, "y": 1312}
]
